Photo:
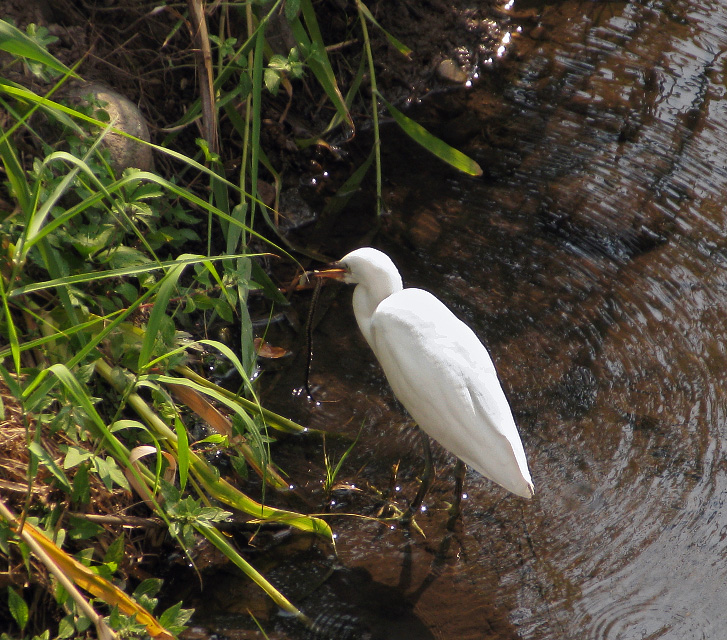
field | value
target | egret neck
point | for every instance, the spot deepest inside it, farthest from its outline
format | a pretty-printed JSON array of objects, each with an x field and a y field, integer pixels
[{"x": 367, "y": 297}]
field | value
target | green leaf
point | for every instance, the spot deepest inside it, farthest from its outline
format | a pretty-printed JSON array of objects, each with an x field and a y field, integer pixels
[
  {"x": 110, "y": 473},
  {"x": 18, "y": 608},
  {"x": 14, "y": 41},
  {"x": 66, "y": 628},
  {"x": 154, "y": 326},
  {"x": 399, "y": 46},
  {"x": 75, "y": 456},
  {"x": 182, "y": 452},
  {"x": 122, "y": 257},
  {"x": 81, "y": 486},
  {"x": 4, "y": 531},
  {"x": 434, "y": 145},
  {"x": 217, "y": 539},
  {"x": 314, "y": 50},
  {"x": 115, "y": 553},
  {"x": 149, "y": 588},
  {"x": 82, "y": 529},
  {"x": 223, "y": 309},
  {"x": 272, "y": 81},
  {"x": 215, "y": 438},
  {"x": 174, "y": 618},
  {"x": 292, "y": 7},
  {"x": 47, "y": 461},
  {"x": 271, "y": 292}
]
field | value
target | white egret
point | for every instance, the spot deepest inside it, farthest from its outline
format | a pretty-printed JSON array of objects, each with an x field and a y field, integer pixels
[{"x": 438, "y": 369}]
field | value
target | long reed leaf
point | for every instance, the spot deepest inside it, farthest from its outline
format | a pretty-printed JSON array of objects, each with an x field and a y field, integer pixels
[
  {"x": 217, "y": 487},
  {"x": 317, "y": 58},
  {"x": 431, "y": 143},
  {"x": 216, "y": 538},
  {"x": 397, "y": 44},
  {"x": 92, "y": 582},
  {"x": 123, "y": 272}
]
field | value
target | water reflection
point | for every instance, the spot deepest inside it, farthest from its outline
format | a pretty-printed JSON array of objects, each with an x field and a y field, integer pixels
[
  {"x": 595, "y": 260},
  {"x": 592, "y": 262}
]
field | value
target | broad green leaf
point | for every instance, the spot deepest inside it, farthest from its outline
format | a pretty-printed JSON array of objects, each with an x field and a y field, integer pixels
[
  {"x": 66, "y": 628},
  {"x": 18, "y": 608},
  {"x": 81, "y": 485},
  {"x": 115, "y": 552},
  {"x": 110, "y": 473},
  {"x": 272, "y": 292},
  {"x": 75, "y": 456}
]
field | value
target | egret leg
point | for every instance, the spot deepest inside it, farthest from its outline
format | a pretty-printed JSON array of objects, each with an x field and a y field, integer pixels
[
  {"x": 456, "y": 509},
  {"x": 427, "y": 478}
]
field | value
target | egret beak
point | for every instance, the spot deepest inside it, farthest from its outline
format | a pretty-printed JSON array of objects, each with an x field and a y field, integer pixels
[{"x": 334, "y": 273}]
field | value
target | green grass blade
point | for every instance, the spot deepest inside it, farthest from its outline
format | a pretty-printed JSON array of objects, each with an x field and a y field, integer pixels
[
  {"x": 226, "y": 493},
  {"x": 317, "y": 58},
  {"x": 118, "y": 273},
  {"x": 53, "y": 115},
  {"x": 434, "y": 145},
  {"x": 217, "y": 539},
  {"x": 12, "y": 333},
  {"x": 166, "y": 289},
  {"x": 89, "y": 325},
  {"x": 206, "y": 475},
  {"x": 182, "y": 452},
  {"x": 398, "y": 45},
  {"x": 36, "y": 218},
  {"x": 271, "y": 418},
  {"x": 14, "y": 41},
  {"x": 15, "y": 175}
]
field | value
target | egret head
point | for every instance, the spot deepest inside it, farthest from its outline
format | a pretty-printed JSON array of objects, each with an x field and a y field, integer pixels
[
  {"x": 375, "y": 277},
  {"x": 371, "y": 268}
]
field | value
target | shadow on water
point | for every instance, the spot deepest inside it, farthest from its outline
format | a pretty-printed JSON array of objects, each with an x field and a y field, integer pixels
[{"x": 591, "y": 259}]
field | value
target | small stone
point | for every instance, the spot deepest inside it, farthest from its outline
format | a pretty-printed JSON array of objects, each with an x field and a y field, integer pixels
[
  {"x": 450, "y": 71},
  {"x": 127, "y": 117}
]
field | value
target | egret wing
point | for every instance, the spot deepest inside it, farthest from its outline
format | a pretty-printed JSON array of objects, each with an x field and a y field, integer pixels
[{"x": 446, "y": 380}]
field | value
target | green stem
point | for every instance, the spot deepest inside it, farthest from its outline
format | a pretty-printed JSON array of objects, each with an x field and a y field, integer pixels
[{"x": 374, "y": 106}]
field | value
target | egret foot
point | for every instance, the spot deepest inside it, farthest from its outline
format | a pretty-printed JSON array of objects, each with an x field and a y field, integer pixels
[
  {"x": 426, "y": 481},
  {"x": 455, "y": 511}
]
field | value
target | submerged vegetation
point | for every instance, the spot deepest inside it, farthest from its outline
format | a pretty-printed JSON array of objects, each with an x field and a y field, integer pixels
[{"x": 111, "y": 281}]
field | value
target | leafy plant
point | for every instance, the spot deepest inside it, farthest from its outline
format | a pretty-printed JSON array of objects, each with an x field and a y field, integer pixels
[
  {"x": 92, "y": 287},
  {"x": 103, "y": 275}
]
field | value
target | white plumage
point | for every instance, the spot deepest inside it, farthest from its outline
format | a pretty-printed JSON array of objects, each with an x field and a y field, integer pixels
[{"x": 438, "y": 369}]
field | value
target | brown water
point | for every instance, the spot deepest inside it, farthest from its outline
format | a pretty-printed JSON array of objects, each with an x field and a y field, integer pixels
[{"x": 592, "y": 261}]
